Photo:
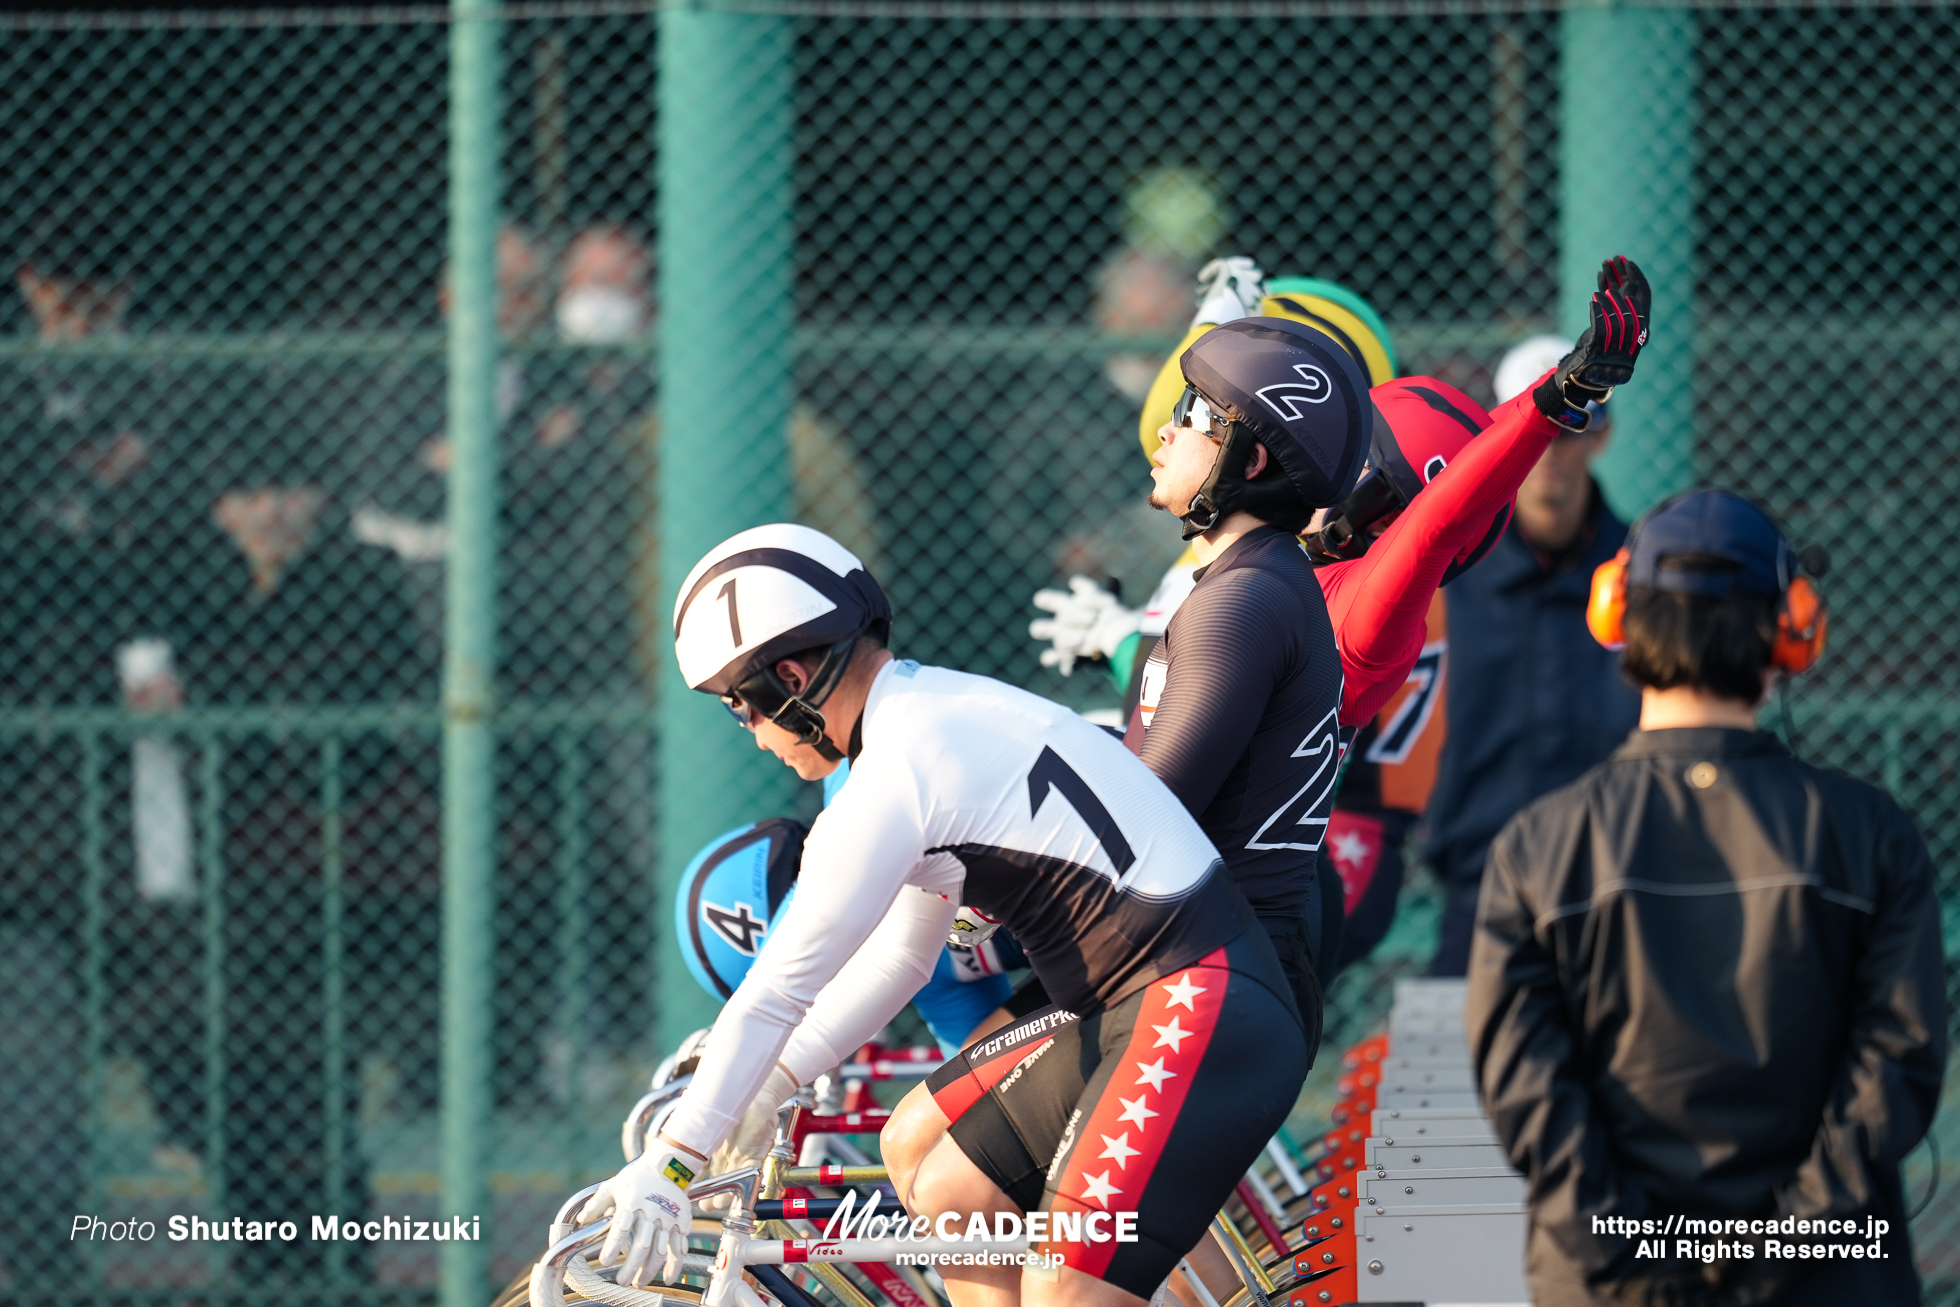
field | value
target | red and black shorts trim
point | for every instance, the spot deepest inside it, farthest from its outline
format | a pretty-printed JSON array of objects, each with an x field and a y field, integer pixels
[{"x": 1155, "y": 1106}]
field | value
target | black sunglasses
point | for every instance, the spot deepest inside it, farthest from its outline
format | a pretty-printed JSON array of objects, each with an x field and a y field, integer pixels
[
  {"x": 1192, "y": 408},
  {"x": 739, "y": 709}
]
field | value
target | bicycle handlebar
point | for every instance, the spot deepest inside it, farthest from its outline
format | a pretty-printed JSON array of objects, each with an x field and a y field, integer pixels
[{"x": 633, "y": 1131}]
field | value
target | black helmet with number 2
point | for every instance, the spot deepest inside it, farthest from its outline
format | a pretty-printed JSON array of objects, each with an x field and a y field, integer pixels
[{"x": 759, "y": 597}]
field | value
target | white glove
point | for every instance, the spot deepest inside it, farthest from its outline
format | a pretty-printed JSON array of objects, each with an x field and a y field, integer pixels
[
  {"x": 1229, "y": 289},
  {"x": 1088, "y": 622},
  {"x": 971, "y": 928},
  {"x": 650, "y": 1211},
  {"x": 748, "y": 1143}
]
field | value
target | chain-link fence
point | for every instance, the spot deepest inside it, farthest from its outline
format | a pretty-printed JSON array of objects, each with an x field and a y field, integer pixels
[{"x": 898, "y": 270}]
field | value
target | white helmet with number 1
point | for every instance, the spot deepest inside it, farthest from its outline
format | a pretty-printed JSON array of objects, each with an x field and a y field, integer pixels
[{"x": 759, "y": 597}]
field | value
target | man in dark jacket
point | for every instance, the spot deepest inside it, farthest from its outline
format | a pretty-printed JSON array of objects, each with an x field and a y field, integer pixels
[
  {"x": 1533, "y": 700},
  {"x": 1706, "y": 984}
]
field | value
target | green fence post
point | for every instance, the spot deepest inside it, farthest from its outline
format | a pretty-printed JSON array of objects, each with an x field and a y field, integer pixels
[
  {"x": 333, "y": 956},
  {"x": 574, "y": 1008},
  {"x": 469, "y": 668},
  {"x": 95, "y": 986},
  {"x": 1626, "y": 178},
  {"x": 725, "y": 383},
  {"x": 211, "y": 832}
]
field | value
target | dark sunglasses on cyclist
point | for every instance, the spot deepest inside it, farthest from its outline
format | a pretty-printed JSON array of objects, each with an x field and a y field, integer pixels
[
  {"x": 1193, "y": 410},
  {"x": 738, "y": 709}
]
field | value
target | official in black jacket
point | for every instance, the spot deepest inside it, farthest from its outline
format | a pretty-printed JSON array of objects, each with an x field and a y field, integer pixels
[{"x": 1706, "y": 982}]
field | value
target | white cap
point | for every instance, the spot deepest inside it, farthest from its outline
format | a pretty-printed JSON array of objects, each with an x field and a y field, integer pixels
[
  {"x": 1527, "y": 361},
  {"x": 140, "y": 662}
]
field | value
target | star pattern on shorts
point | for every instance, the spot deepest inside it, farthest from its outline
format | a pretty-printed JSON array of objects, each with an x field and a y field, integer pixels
[
  {"x": 1349, "y": 847},
  {"x": 1098, "y": 1189},
  {"x": 1173, "y": 1034},
  {"x": 1182, "y": 991},
  {"x": 1134, "y": 1112},
  {"x": 1154, "y": 1074},
  {"x": 1119, "y": 1150}
]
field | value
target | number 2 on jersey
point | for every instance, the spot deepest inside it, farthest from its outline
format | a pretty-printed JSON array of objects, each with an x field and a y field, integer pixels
[
  {"x": 1050, "y": 771},
  {"x": 1312, "y": 802}
]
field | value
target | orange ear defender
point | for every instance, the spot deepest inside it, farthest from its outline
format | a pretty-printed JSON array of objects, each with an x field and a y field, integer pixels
[
  {"x": 1606, "y": 610},
  {"x": 1801, "y": 628},
  {"x": 1802, "y": 624}
]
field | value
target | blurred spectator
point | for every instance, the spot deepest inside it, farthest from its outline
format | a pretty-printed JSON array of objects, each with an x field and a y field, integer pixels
[
  {"x": 299, "y": 614},
  {"x": 575, "y": 442},
  {"x": 89, "y": 558},
  {"x": 71, "y": 301},
  {"x": 1172, "y": 219},
  {"x": 604, "y": 298},
  {"x": 1534, "y": 700}
]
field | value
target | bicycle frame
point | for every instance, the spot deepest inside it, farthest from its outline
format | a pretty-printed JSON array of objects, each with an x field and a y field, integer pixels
[
  {"x": 757, "y": 1198},
  {"x": 739, "y": 1248}
]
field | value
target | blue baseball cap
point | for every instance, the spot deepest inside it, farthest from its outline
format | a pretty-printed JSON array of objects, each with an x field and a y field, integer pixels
[
  {"x": 732, "y": 895},
  {"x": 1710, "y": 542}
]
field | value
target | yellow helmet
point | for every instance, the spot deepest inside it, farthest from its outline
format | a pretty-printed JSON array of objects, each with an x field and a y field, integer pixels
[{"x": 1326, "y": 305}]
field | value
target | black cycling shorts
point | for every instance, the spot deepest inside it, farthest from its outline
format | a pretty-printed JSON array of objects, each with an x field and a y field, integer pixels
[{"x": 1143, "y": 1116}]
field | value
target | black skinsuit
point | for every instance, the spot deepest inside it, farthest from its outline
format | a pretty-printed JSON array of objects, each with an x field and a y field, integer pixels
[
  {"x": 1239, "y": 717},
  {"x": 1707, "y": 982}
]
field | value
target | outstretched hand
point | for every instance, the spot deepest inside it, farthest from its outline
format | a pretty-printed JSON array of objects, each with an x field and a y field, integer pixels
[
  {"x": 1606, "y": 351},
  {"x": 1621, "y": 309},
  {"x": 1089, "y": 622}
]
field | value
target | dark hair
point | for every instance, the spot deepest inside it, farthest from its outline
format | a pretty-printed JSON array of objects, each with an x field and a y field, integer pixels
[
  {"x": 811, "y": 657},
  {"x": 1272, "y": 497},
  {"x": 1718, "y": 644}
]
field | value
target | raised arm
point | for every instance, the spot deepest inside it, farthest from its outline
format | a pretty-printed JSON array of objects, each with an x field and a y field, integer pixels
[{"x": 1381, "y": 599}]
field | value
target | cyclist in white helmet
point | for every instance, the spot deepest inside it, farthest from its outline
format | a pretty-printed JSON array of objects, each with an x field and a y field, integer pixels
[{"x": 968, "y": 791}]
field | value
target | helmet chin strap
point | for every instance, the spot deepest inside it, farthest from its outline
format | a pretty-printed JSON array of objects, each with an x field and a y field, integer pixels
[
  {"x": 1213, "y": 504},
  {"x": 808, "y": 725},
  {"x": 799, "y": 713}
]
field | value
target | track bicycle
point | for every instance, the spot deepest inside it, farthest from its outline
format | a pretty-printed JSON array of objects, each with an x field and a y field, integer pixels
[{"x": 764, "y": 1200}]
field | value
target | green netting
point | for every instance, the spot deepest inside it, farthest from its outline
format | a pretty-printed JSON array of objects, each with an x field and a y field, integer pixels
[{"x": 898, "y": 271}]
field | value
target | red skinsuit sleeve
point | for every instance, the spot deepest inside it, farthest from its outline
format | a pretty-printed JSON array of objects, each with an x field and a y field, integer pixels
[{"x": 1378, "y": 601}]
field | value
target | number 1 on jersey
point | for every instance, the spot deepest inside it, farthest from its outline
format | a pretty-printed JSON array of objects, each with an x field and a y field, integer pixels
[{"x": 1051, "y": 772}]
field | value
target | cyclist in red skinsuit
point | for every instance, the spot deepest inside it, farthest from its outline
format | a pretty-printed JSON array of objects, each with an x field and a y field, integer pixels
[
  {"x": 1378, "y": 592},
  {"x": 1379, "y": 601}
]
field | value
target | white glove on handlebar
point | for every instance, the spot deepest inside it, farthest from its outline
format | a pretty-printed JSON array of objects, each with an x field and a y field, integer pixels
[
  {"x": 650, "y": 1211},
  {"x": 1229, "y": 289},
  {"x": 1088, "y": 623}
]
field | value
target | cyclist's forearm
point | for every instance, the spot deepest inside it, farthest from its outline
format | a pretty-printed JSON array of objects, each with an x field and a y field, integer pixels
[
  {"x": 874, "y": 986},
  {"x": 854, "y": 865}
]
